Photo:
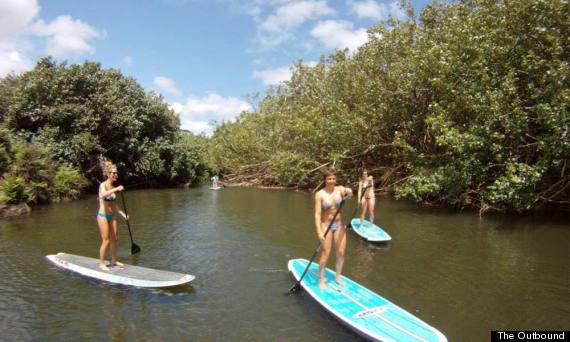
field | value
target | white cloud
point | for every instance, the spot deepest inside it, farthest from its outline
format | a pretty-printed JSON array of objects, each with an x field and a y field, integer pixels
[
  {"x": 198, "y": 127},
  {"x": 397, "y": 11},
  {"x": 255, "y": 12},
  {"x": 273, "y": 76},
  {"x": 339, "y": 34},
  {"x": 279, "y": 27},
  {"x": 66, "y": 35},
  {"x": 19, "y": 25},
  {"x": 15, "y": 18},
  {"x": 259, "y": 61},
  {"x": 128, "y": 60},
  {"x": 13, "y": 61},
  {"x": 16, "y": 15},
  {"x": 371, "y": 9},
  {"x": 277, "y": 75},
  {"x": 214, "y": 104},
  {"x": 196, "y": 112},
  {"x": 167, "y": 85}
]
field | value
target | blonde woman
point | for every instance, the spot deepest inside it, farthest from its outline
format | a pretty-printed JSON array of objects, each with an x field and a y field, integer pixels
[
  {"x": 327, "y": 202},
  {"x": 369, "y": 200},
  {"x": 105, "y": 215}
]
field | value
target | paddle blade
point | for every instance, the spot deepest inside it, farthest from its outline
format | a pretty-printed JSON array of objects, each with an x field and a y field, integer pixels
[
  {"x": 295, "y": 289},
  {"x": 135, "y": 248}
]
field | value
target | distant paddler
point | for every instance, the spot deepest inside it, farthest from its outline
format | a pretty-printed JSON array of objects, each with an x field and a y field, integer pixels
[
  {"x": 368, "y": 199},
  {"x": 327, "y": 216},
  {"x": 105, "y": 215}
]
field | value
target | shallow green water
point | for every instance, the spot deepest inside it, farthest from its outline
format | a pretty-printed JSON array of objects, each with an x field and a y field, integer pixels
[{"x": 463, "y": 275}]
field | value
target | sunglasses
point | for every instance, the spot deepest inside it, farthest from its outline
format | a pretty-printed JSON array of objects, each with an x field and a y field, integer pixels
[{"x": 114, "y": 173}]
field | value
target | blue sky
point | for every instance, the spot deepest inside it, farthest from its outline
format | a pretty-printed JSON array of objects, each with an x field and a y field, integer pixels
[{"x": 203, "y": 56}]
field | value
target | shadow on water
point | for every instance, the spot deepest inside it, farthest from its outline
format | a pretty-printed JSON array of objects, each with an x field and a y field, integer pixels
[
  {"x": 373, "y": 246},
  {"x": 180, "y": 290}
]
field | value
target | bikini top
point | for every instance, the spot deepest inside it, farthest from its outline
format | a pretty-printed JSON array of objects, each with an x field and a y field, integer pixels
[
  {"x": 327, "y": 202},
  {"x": 108, "y": 198}
]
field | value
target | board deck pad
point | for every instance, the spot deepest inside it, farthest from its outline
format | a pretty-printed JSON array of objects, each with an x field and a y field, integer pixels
[
  {"x": 369, "y": 231},
  {"x": 362, "y": 310},
  {"x": 126, "y": 275}
]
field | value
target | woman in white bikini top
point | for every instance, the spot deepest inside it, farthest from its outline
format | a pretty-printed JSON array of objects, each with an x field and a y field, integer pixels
[{"x": 327, "y": 203}]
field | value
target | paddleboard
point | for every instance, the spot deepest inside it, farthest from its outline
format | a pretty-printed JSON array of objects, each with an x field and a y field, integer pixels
[
  {"x": 125, "y": 275},
  {"x": 362, "y": 310},
  {"x": 216, "y": 188},
  {"x": 369, "y": 231}
]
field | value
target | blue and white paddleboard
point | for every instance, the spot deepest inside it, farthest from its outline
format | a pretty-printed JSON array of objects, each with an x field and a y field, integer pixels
[
  {"x": 362, "y": 310},
  {"x": 125, "y": 275},
  {"x": 369, "y": 231}
]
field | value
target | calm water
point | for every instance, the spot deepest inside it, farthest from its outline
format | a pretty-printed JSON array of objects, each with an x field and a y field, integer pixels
[{"x": 461, "y": 274}]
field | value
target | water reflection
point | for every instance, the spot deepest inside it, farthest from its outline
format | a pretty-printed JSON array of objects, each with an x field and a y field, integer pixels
[{"x": 462, "y": 274}]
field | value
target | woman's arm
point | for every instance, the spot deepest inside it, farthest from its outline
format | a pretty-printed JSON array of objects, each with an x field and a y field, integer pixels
[
  {"x": 104, "y": 192},
  {"x": 318, "y": 225},
  {"x": 345, "y": 192},
  {"x": 359, "y": 191},
  {"x": 117, "y": 209}
]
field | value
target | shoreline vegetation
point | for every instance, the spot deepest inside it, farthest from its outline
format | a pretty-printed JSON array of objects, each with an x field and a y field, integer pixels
[{"x": 464, "y": 106}]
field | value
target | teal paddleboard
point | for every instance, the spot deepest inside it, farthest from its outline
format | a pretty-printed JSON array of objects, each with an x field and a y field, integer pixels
[
  {"x": 369, "y": 231},
  {"x": 362, "y": 310}
]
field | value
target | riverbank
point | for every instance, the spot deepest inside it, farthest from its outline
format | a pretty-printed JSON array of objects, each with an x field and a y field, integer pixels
[
  {"x": 14, "y": 210},
  {"x": 8, "y": 211},
  {"x": 385, "y": 192}
]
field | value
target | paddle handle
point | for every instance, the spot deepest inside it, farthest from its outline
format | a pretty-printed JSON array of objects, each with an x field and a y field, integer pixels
[
  {"x": 319, "y": 246},
  {"x": 127, "y": 215}
]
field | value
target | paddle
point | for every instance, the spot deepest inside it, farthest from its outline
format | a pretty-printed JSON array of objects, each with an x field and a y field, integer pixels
[
  {"x": 134, "y": 247},
  {"x": 349, "y": 226},
  {"x": 297, "y": 287}
]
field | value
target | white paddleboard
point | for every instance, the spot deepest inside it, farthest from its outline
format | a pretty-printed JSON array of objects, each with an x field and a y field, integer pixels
[
  {"x": 216, "y": 188},
  {"x": 125, "y": 275},
  {"x": 362, "y": 310},
  {"x": 369, "y": 231}
]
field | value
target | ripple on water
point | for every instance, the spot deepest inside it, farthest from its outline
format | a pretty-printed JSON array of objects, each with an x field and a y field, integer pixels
[{"x": 454, "y": 271}]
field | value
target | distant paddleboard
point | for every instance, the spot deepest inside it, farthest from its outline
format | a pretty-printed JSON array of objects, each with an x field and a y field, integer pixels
[
  {"x": 362, "y": 310},
  {"x": 126, "y": 275},
  {"x": 369, "y": 231},
  {"x": 216, "y": 188}
]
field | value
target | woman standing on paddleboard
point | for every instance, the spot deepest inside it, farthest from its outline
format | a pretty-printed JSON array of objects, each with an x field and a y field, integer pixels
[
  {"x": 327, "y": 202},
  {"x": 369, "y": 200},
  {"x": 105, "y": 219}
]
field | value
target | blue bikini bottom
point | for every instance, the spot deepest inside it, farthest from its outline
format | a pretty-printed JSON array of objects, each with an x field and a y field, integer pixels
[{"x": 109, "y": 217}]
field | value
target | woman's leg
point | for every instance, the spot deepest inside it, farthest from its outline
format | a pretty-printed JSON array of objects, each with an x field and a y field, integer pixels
[
  {"x": 325, "y": 252},
  {"x": 340, "y": 247},
  {"x": 114, "y": 243},
  {"x": 364, "y": 204},
  {"x": 104, "y": 231},
  {"x": 371, "y": 205}
]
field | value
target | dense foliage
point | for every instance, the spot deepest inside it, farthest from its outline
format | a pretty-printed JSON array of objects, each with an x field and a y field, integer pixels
[
  {"x": 68, "y": 117},
  {"x": 30, "y": 174},
  {"x": 465, "y": 105}
]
